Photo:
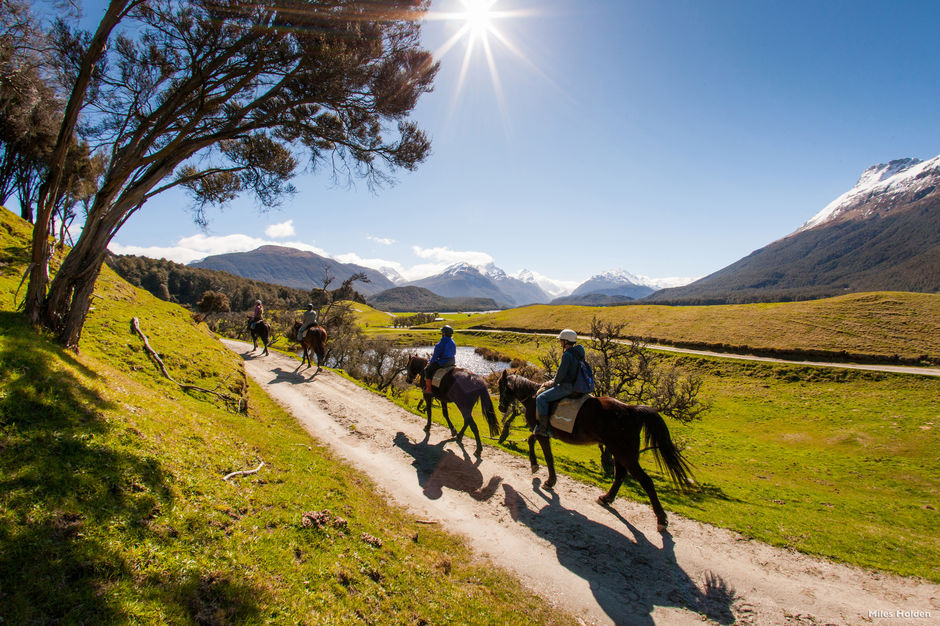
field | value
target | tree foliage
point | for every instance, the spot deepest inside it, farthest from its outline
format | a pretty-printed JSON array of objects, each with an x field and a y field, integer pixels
[{"x": 221, "y": 98}]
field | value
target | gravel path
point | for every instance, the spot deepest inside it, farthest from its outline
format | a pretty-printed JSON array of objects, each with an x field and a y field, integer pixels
[{"x": 605, "y": 565}]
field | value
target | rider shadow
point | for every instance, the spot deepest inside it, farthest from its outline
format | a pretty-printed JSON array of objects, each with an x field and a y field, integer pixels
[
  {"x": 294, "y": 377},
  {"x": 438, "y": 468},
  {"x": 627, "y": 577}
]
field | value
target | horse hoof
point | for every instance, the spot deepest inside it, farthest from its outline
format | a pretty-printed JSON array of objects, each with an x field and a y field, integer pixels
[
  {"x": 427, "y": 428},
  {"x": 534, "y": 468},
  {"x": 603, "y": 501},
  {"x": 549, "y": 484},
  {"x": 478, "y": 454},
  {"x": 661, "y": 527}
]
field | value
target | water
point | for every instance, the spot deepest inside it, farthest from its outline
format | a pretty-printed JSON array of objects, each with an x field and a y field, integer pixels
[{"x": 468, "y": 359}]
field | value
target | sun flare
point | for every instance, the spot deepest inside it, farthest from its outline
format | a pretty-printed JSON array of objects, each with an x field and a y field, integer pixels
[{"x": 478, "y": 15}]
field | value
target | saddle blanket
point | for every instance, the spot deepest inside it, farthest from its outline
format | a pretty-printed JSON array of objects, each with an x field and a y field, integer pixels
[
  {"x": 565, "y": 413},
  {"x": 439, "y": 375}
]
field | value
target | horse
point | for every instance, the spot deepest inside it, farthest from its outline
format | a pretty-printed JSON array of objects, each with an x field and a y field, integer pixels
[
  {"x": 262, "y": 331},
  {"x": 314, "y": 341},
  {"x": 463, "y": 388},
  {"x": 615, "y": 425}
]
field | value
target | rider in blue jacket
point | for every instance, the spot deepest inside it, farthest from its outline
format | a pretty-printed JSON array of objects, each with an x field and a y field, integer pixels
[{"x": 445, "y": 354}]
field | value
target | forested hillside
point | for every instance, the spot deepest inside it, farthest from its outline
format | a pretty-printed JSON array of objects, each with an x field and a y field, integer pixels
[{"x": 187, "y": 285}]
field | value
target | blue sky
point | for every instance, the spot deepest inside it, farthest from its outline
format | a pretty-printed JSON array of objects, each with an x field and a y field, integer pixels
[{"x": 667, "y": 138}]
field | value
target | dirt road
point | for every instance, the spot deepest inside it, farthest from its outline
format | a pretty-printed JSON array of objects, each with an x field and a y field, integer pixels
[{"x": 606, "y": 565}]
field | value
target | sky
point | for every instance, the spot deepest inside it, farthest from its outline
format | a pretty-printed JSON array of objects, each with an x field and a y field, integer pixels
[{"x": 666, "y": 138}]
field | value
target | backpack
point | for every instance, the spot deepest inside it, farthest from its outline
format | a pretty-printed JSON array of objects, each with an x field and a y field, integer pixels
[{"x": 584, "y": 382}]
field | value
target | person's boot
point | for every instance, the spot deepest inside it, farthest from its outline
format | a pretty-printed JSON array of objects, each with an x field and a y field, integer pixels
[{"x": 541, "y": 427}]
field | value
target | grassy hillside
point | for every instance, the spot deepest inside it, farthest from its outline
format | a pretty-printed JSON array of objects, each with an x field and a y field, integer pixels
[
  {"x": 113, "y": 507},
  {"x": 880, "y": 325}
]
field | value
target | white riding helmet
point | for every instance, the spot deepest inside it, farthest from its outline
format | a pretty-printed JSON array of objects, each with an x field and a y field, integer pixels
[{"x": 568, "y": 335}]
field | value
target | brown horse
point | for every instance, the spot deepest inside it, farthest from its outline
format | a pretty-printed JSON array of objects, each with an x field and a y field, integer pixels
[
  {"x": 262, "y": 331},
  {"x": 615, "y": 425},
  {"x": 463, "y": 388},
  {"x": 314, "y": 342}
]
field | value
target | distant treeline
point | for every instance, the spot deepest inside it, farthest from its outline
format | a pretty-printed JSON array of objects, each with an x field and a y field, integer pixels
[{"x": 186, "y": 285}]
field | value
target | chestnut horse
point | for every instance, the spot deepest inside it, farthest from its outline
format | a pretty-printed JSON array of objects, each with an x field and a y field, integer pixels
[
  {"x": 463, "y": 388},
  {"x": 612, "y": 423},
  {"x": 262, "y": 331},
  {"x": 314, "y": 342}
]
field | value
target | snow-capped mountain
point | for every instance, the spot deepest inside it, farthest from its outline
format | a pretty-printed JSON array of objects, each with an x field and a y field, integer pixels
[
  {"x": 614, "y": 283},
  {"x": 488, "y": 281},
  {"x": 552, "y": 287},
  {"x": 392, "y": 274},
  {"x": 883, "y": 234},
  {"x": 878, "y": 187}
]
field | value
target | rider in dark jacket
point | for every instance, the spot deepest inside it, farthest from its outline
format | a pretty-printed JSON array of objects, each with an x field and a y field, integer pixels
[
  {"x": 445, "y": 355},
  {"x": 563, "y": 385}
]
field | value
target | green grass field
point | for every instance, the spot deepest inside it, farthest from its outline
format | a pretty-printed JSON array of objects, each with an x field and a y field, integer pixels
[
  {"x": 876, "y": 325},
  {"x": 833, "y": 462},
  {"x": 113, "y": 508}
]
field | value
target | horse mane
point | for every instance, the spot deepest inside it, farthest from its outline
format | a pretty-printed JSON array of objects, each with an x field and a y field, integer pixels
[{"x": 521, "y": 383}]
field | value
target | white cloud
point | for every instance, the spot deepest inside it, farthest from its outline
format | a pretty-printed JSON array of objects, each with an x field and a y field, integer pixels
[
  {"x": 280, "y": 231},
  {"x": 385, "y": 241},
  {"x": 449, "y": 257},
  {"x": 199, "y": 246}
]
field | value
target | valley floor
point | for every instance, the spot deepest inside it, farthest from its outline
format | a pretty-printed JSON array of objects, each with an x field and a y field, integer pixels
[{"x": 605, "y": 565}]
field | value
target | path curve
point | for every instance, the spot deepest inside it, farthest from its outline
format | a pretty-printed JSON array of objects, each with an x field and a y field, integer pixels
[{"x": 606, "y": 565}]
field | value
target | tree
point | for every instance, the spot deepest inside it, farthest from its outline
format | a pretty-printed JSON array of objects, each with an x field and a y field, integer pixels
[
  {"x": 222, "y": 97},
  {"x": 213, "y": 302}
]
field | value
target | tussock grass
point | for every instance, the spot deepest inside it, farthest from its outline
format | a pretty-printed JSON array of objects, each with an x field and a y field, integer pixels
[
  {"x": 112, "y": 507},
  {"x": 883, "y": 325}
]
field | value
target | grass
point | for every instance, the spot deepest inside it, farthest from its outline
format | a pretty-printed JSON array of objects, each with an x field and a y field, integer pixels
[
  {"x": 883, "y": 326},
  {"x": 831, "y": 462},
  {"x": 112, "y": 507}
]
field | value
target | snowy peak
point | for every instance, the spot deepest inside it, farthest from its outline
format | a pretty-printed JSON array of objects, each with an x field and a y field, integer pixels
[{"x": 880, "y": 188}]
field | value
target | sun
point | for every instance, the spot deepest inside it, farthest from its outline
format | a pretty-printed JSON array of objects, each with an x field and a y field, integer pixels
[{"x": 478, "y": 15}]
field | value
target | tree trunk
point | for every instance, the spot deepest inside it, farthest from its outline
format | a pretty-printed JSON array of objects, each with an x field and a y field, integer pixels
[
  {"x": 36, "y": 304},
  {"x": 69, "y": 298}
]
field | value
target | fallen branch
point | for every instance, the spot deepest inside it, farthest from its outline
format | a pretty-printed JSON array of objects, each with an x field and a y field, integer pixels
[
  {"x": 244, "y": 472},
  {"x": 135, "y": 327}
]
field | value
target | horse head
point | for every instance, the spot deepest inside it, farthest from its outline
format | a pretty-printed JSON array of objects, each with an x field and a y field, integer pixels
[{"x": 416, "y": 365}]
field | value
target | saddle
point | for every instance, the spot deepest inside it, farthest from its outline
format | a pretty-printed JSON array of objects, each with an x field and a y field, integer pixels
[
  {"x": 439, "y": 375},
  {"x": 563, "y": 413}
]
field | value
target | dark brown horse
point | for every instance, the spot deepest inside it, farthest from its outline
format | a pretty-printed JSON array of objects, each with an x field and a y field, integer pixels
[
  {"x": 463, "y": 388},
  {"x": 615, "y": 425},
  {"x": 314, "y": 342},
  {"x": 262, "y": 331}
]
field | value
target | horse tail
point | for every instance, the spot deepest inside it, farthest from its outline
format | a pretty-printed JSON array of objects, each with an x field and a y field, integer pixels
[
  {"x": 668, "y": 457},
  {"x": 487, "y": 405}
]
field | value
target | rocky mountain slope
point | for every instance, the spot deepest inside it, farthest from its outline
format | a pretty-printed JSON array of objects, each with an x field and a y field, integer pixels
[{"x": 881, "y": 235}]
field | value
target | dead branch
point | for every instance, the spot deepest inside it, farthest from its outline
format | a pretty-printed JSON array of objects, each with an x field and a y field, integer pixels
[
  {"x": 135, "y": 327},
  {"x": 244, "y": 472}
]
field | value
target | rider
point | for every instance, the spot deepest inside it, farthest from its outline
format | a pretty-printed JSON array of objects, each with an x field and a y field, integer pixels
[
  {"x": 445, "y": 354},
  {"x": 310, "y": 319},
  {"x": 259, "y": 313},
  {"x": 563, "y": 385}
]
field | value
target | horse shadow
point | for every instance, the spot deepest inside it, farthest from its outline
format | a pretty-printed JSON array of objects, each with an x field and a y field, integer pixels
[
  {"x": 628, "y": 576},
  {"x": 294, "y": 377},
  {"x": 439, "y": 468}
]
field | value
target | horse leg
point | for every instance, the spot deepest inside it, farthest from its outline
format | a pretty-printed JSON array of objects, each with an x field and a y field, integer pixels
[
  {"x": 507, "y": 424},
  {"x": 647, "y": 483},
  {"x": 549, "y": 461},
  {"x": 467, "y": 413},
  {"x": 264, "y": 340},
  {"x": 533, "y": 462},
  {"x": 620, "y": 472},
  {"x": 450, "y": 425},
  {"x": 428, "y": 399}
]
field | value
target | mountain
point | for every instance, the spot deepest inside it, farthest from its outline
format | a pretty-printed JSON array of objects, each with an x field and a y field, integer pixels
[
  {"x": 593, "y": 299},
  {"x": 488, "y": 281},
  {"x": 881, "y": 235},
  {"x": 618, "y": 283},
  {"x": 553, "y": 288},
  {"x": 418, "y": 299},
  {"x": 293, "y": 268}
]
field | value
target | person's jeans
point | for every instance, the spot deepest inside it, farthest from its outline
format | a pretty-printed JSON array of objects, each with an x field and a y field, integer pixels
[{"x": 543, "y": 399}]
